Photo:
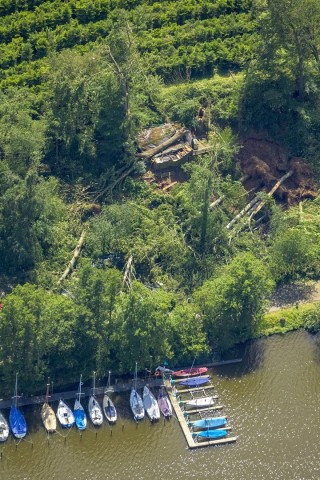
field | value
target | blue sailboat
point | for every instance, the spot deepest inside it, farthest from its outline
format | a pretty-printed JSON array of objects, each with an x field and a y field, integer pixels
[
  {"x": 213, "y": 422},
  {"x": 17, "y": 421},
  {"x": 79, "y": 413},
  {"x": 195, "y": 381},
  {"x": 211, "y": 434}
]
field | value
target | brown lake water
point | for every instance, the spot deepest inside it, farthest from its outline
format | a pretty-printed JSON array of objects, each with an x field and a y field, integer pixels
[{"x": 272, "y": 400}]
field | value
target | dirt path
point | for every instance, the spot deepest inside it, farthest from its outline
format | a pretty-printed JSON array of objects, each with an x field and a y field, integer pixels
[{"x": 298, "y": 292}]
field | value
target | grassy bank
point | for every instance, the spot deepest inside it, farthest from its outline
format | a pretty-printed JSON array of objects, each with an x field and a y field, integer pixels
[{"x": 282, "y": 321}]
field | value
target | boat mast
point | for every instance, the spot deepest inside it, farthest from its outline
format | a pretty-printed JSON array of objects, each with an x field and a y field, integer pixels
[
  {"x": 15, "y": 396},
  {"x": 47, "y": 392},
  {"x": 109, "y": 381},
  {"x": 94, "y": 384},
  {"x": 79, "y": 392},
  {"x": 135, "y": 377}
]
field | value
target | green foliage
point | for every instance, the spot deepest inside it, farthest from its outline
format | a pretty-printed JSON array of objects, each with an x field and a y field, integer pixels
[
  {"x": 140, "y": 329},
  {"x": 187, "y": 335},
  {"x": 169, "y": 34},
  {"x": 233, "y": 302},
  {"x": 39, "y": 329}
]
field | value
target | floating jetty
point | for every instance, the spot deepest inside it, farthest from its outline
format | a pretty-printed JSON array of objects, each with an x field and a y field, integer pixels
[
  {"x": 198, "y": 389},
  {"x": 184, "y": 425}
]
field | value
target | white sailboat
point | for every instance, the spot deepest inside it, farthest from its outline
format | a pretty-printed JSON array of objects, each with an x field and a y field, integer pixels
[
  {"x": 108, "y": 406},
  {"x": 136, "y": 402},
  {"x": 78, "y": 411},
  {"x": 150, "y": 404},
  {"x": 65, "y": 415},
  {"x": 4, "y": 428},
  {"x": 94, "y": 408}
]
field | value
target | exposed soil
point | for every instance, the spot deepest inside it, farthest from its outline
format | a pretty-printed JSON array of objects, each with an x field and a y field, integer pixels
[{"x": 264, "y": 162}]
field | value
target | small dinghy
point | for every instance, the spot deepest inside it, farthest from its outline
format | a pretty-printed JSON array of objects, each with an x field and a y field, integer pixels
[
  {"x": 47, "y": 414},
  {"x": 108, "y": 406},
  {"x": 17, "y": 421},
  {"x": 213, "y": 422},
  {"x": 94, "y": 407},
  {"x": 136, "y": 402},
  {"x": 200, "y": 402},
  {"x": 151, "y": 405},
  {"x": 190, "y": 372},
  {"x": 211, "y": 434},
  {"x": 78, "y": 411},
  {"x": 4, "y": 428},
  {"x": 164, "y": 403},
  {"x": 65, "y": 415},
  {"x": 196, "y": 381}
]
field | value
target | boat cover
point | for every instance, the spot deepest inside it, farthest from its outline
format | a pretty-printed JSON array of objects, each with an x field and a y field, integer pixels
[{"x": 17, "y": 422}]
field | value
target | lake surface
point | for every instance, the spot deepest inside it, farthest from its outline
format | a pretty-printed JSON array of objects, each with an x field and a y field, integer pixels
[{"x": 272, "y": 400}]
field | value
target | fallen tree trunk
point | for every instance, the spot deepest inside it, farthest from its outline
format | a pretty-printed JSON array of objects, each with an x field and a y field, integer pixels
[
  {"x": 109, "y": 188},
  {"x": 243, "y": 212},
  {"x": 74, "y": 258},
  {"x": 128, "y": 273},
  {"x": 274, "y": 188},
  {"x": 153, "y": 151},
  {"x": 216, "y": 202}
]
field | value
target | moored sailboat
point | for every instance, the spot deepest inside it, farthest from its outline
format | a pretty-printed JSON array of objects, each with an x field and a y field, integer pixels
[
  {"x": 17, "y": 421},
  {"x": 150, "y": 404},
  {"x": 78, "y": 411},
  {"x": 4, "y": 428},
  {"x": 47, "y": 414},
  {"x": 136, "y": 403},
  {"x": 94, "y": 407},
  {"x": 65, "y": 415},
  {"x": 164, "y": 403},
  {"x": 108, "y": 406}
]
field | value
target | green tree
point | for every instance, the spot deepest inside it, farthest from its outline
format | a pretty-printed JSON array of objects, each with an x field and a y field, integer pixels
[
  {"x": 141, "y": 328},
  {"x": 233, "y": 302}
]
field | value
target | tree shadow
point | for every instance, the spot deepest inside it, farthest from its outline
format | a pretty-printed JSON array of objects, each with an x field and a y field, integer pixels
[
  {"x": 252, "y": 353},
  {"x": 289, "y": 294}
]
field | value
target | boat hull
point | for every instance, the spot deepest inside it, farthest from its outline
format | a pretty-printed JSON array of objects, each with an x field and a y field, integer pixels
[
  {"x": 109, "y": 409},
  {"x": 164, "y": 404},
  {"x": 136, "y": 405},
  {"x": 150, "y": 405},
  {"x": 79, "y": 416},
  {"x": 4, "y": 428},
  {"x": 201, "y": 402},
  {"x": 195, "y": 382},
  {"x": 214, "y": 422},
  {"x": 48, "y": 418},
  {"x": 190, "y": 372},
  {"x": 17, "y": 423},
  {"x": 95, "y": 411},
  {"x": 65, "y": 415},
  {"x": 211, "y": 434}
]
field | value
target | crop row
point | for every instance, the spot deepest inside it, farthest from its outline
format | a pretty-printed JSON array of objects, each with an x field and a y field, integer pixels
[{"x": 51, "y": 14}]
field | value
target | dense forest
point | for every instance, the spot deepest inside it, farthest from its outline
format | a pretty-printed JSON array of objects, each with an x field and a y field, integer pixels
[{"x": 101, "y": 267}]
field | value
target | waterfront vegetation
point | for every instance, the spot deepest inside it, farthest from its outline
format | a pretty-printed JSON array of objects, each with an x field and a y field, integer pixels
[{"x": 79, "y": 80}]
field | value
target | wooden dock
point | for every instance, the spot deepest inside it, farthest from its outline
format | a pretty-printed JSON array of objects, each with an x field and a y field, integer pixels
[
  {"x": 214, "y": 397},
  {"x": 184, "y": 425},
  {"x": 199, "y": 389}
]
